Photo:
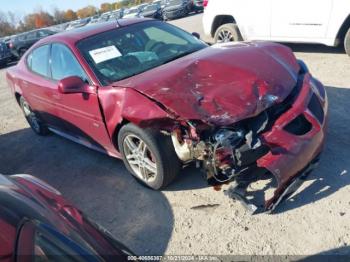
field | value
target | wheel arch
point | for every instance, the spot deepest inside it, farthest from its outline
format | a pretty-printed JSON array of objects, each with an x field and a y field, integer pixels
[
  {"x": 17, "y": 96},
  {"x": 219, "y": 20},
  {"x": 117, "y": 131},
  {"x": 343, "y": 30}
]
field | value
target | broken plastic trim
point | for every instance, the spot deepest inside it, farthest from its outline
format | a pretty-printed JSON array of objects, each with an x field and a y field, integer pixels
[{"x": 237, "y": 192}]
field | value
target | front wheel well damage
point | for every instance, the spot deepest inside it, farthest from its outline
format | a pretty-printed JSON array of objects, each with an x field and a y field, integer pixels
[{"x": 116, "y": 132}]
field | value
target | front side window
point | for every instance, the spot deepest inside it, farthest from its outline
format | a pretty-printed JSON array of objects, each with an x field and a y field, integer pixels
[
  {"x": 31, "y": 36},
  {"x": 38, "y": 59},
  {"x": 123, "y": 52},
  {"x": 64, "y": 63}
]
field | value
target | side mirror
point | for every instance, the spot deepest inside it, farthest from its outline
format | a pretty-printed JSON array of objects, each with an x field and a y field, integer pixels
[
  {"x": 196, "y": 35},
  {"x": 72, "y": 85}
]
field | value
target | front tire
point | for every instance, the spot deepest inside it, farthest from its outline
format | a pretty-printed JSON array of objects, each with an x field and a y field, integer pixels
[
  {"x": 347, "y": 42},
  {"x": 149, "y": 156},
  {"x": 33, "y": 120},
  {"x": 227, "y": 33}
]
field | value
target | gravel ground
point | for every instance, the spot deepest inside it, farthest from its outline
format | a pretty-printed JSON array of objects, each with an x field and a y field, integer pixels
[{"x": 315, "y": 220}]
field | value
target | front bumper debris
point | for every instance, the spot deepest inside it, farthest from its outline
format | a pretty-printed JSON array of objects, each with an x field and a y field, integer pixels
[{"x": 285, "y": 141}]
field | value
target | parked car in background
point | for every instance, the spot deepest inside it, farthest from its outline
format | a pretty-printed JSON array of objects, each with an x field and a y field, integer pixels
[
  {"x": 161, "y": 3},
  {"x": 93, "y": 20},
  {"x": 132, "y": 12},
  {"x": 37, "y": 222},
  {"x": 104, "y": 17},
  {"x": 5, "y": 54},
  {"x": 295, "y": 21},
  {"x": 117, "y": 14},
  {"x": 22, "y": 42},
  {"x": 152, "y": 11},
  {"x": 197, "y": 6},
  {"x": 176, "y": 8},
  {"x": 143, "y": 90},
  {"x": 141, "y": 6},
  {"x": 60, "y": 27},
  {"x": 7, "y": 40},
  {"x": 78, "y": 23}
]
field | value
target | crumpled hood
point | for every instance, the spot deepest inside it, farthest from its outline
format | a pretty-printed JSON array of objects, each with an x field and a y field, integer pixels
[{"x": 220, "y": 85}]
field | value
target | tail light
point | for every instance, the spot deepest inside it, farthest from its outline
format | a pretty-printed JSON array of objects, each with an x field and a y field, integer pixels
[
  {"x": 11, "y": 45},
  {"x": 205, "y": 3}
]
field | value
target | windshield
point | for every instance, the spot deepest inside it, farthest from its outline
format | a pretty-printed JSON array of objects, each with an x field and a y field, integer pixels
[{"x": 120, "y": 53}]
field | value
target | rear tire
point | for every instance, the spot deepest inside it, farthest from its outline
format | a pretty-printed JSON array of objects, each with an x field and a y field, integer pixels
[
  {"x": 33, "y": 120},
  {"x": 347, "y": 42},
  {"x": 227, "y": 33},
  {"x": 154, "y": 163}
]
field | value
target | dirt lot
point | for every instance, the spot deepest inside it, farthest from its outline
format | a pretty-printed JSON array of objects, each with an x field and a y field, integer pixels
[{"x": 314, "y": 221}]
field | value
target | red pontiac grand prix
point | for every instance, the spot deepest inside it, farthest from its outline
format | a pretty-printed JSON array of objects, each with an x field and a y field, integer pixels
[{"x": 160, "y": 98}]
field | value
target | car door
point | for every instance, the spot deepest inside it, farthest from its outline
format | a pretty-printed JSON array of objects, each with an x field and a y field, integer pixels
[
  {"x": 80, "y": 112},
  {"x": 300, "y": 18},
  {"x": 38, "y": 88}
]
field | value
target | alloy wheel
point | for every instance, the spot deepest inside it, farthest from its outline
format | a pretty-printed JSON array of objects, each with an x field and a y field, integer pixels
[
  {"x": 225, "y": 36},
  {"x": 140, "y": 158}
]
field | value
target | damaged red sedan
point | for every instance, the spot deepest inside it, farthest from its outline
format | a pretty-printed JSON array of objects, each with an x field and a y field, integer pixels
[{"x": 159, "y": 98}]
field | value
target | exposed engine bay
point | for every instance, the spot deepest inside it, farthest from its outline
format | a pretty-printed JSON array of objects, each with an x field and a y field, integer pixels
[
  {"x": 229, "y": 154},
  {"x": 233, "y": 153}
]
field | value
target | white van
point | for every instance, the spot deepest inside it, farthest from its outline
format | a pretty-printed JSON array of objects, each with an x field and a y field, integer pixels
[{"x": 295, "y": 21}]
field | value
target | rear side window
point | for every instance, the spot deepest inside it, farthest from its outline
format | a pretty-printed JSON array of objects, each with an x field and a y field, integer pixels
[
  {"x": 38, "y": 60},
  {"x": 64, "y": 63}
]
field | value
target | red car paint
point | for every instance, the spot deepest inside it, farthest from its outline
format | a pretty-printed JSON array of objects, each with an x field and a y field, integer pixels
[
  {"x": 24, "y": 199},
  {"x": 216, "y": 85},
  {"x": 219, "y": 85}
]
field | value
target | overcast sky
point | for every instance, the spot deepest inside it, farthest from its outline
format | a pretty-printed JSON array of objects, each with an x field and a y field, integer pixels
[{"x": 22, "y": 7}]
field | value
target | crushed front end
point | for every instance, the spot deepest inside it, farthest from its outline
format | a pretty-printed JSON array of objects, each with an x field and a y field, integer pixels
[{"x": 284, "y": 141}]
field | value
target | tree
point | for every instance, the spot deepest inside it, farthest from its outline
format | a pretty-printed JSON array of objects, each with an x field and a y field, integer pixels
[
  {"x": 70, "y": 15},
  {"x": 87, "y": 11},
  {"x": 117, "y": 5},
  {"x": 13, "y": 18},
  {"x": 29, "y": 22},
  {"x": 105, "y": 7},
  {"x": 59, "y": 16},
  {"x": 6, "y": 28},
  {"x": 43, "y": 19}
]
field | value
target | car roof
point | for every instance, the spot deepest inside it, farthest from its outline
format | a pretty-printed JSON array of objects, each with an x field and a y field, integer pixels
[{"x": 73, "y": 36}]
